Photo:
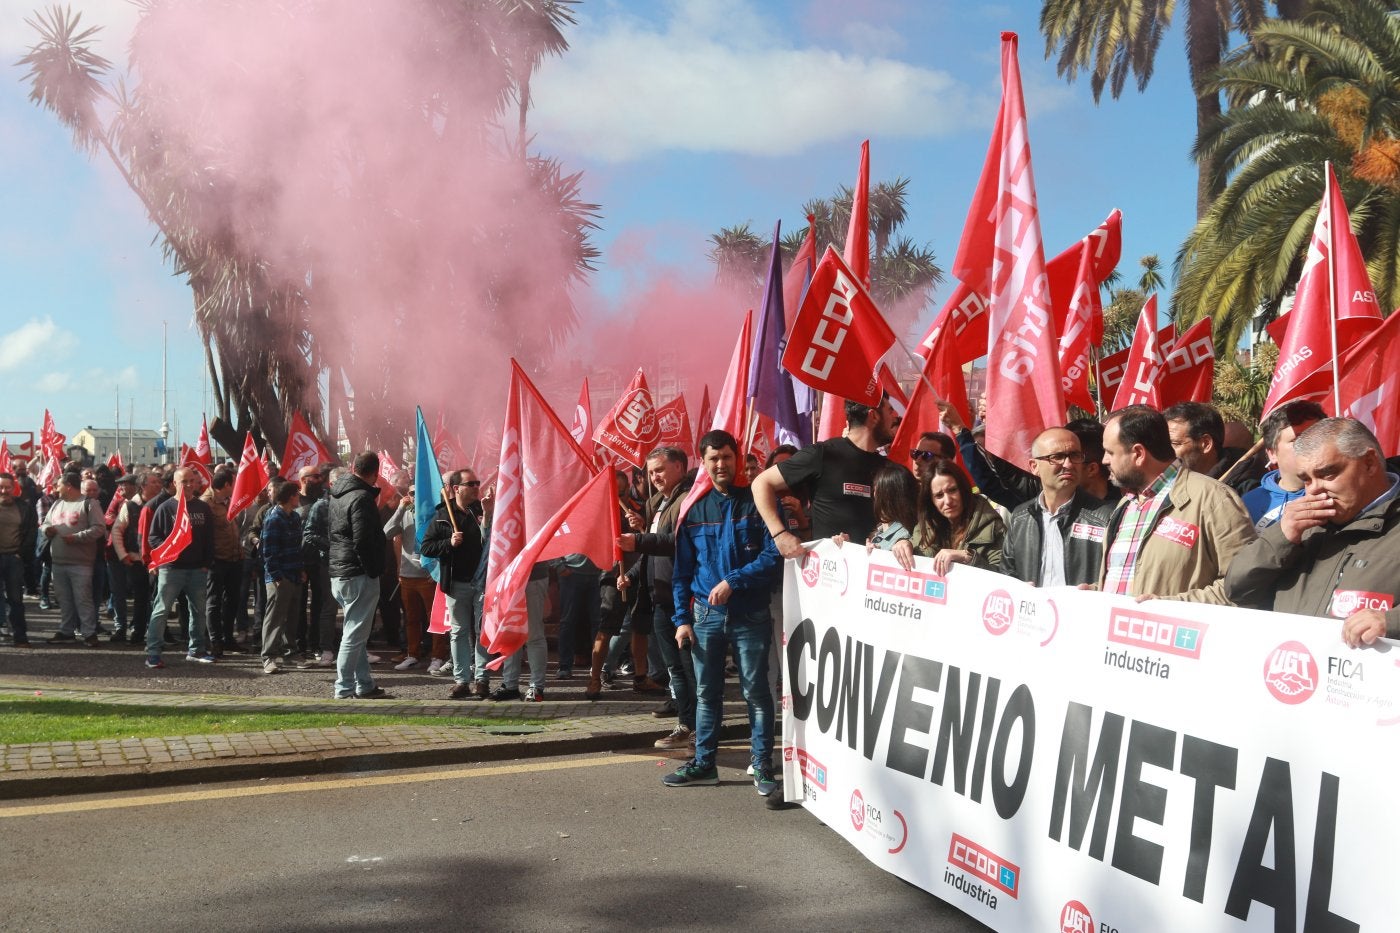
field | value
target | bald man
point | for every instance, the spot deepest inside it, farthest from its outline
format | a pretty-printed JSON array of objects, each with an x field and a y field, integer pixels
[{"x": 1056, "y": 538}]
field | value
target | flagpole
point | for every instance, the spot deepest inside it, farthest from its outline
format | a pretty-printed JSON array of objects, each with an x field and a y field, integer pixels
[
  {"x": 1332, "y": 288},
  {"x": 1098, "y": 381}
]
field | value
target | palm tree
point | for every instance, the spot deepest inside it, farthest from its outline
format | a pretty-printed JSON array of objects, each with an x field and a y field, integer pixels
[
  {"x": 1113, "y": 39},
  {"x": 1326, "y": 88},
  {"x": 272, "y": 315},
  {"x": 1151, "y": 278},
  {"x": 903, "y": 273}
]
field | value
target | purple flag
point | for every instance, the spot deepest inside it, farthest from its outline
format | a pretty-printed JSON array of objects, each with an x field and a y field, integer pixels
[{"x": 770, "y": 386}]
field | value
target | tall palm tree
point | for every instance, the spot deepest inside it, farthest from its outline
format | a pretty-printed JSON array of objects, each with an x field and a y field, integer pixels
[
  {"x": 1151, "y": 279},
  {"x": 1324, "y": 88},
  {"x": 1111, "y": 40}
]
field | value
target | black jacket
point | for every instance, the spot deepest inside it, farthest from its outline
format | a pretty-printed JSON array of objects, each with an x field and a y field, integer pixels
[
  {"x": 1081, "y": 526},
  {"x": 1004, "y": 483},
  {"x": 658, "y": 549},
  {"x": 455, "y": 564},
  {"x": 356, "y": 533}
]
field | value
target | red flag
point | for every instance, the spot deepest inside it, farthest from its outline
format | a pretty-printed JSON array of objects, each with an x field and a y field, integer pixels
[
  {"x": 50, "y": 441},
  {"x": 4, "y": 456},
  {"x": 388, "y": 469},
  {"x": 202, "y": 452},
  {"x": 706, "y": 420},
  {"x": 53, "y": 469},
  {"x": 1370, "y": 384},
  {"x": 1189, "y": 369},
  {"x": 629, "y": 430},
  {"x": 1080, "y": 321},
  {"x": 438, "y": 622},
  {"x": 966, "y": 312},
  {"x": 586, "y": 524},
  {"x": 191, "y": 461},
  {"x": 180, "y": 537},
  {"x": 1105, "y": 246},
  {"x": 451, "y": 454},
  {"x": 115, "y": 462},
  {"x": 1002, "y": 255},
  {"x": 731, "y": 412},
  {"x": 541, "y": 467},
  {"x": 840, "y": 342},
  {"x": 943, "y": 372},
  {"x": 252, "y": 477},
  {"x": 857, "y": 251},
  {"x": 673, "y": 421},
  {"x": 1142, "y": 378},
  {"x": 303, "y": 449},
  {"x": 1113, "y": 366},
  {"x": 583, "y": 416},
  {"x": 1307, "y": 344},
  {"x": 759, "y": 443}
]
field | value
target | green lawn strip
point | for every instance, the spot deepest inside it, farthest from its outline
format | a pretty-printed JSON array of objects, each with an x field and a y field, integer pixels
[{"x": 33, "y": 719}]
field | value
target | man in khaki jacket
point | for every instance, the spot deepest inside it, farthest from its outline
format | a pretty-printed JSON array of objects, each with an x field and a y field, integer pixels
[{"x": 1175, "y": 532}]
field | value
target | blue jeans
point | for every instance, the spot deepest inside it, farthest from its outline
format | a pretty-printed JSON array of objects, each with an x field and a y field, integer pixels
[
  {"x": 12, "y": 582},
  {"x": 464, "y": 629},
  {"x": 750, "y": 634},
  {"x": 536, "y": 647},
  {"x": 358, "y": 598},
  {"x": 679, "y": 664},
  {"x": 579, "y": 595},
  {"x": 170, "y": 586}
]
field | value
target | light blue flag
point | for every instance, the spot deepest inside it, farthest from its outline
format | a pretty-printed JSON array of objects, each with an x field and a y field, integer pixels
[{"x": 427, "y": 490}]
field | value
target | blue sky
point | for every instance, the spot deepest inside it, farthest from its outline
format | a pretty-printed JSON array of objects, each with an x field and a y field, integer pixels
[{"x": 686, "y": 116}]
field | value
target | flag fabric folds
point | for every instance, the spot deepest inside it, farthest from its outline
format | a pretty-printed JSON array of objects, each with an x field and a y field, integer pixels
[
  {"x": 303, "y": 449},
  {"x": 427, "y": 489},
  {"x": 4, "y": 456},
  {"x": 50, "y": 440},
  {"x": 252, "y": 477},
  {"x": 1142, "y": 376},
  {"x": 944, "y": 374},
  {"x": 1370, "y": 384},
  {"x": 583, "y": 416},
  {"x": 202, "y": 451},
  {"x": 114, "y": 462},
  {"x": 628, "y": 431},
  {"x": 1188, "y": 369},
  {"x": 770, "y": 386},
  {"x": 181, "y": 534},
  {"x": 1002, "y": 256},
  {"x": 1334, "y": 268},
  {"x": 541, "y": 468},
  {"x": 673, "y": 421}
]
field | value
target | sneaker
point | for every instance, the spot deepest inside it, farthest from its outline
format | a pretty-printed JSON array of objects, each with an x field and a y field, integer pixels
[
  {"x": 407, "y": 664},
  {"x": 534, "y": 695},
  {"x": 691, "y": 774},
  {"x": 665, "y": 710},
  {"x": 464, "y": 692},
  {"x": 327, "y": 659},
  {"x": 90, "y": 641},
  {"x": 378, "y": 693},
  {"x": 764, "y": 781},
  {"x": 205, "y": 658},
  {"x": 62, "y": 637},
  {"x": 44, "y": 603},
  {"x": 270, "y": 667},
  {"x": 373, "y": 658},
  {"x": 435, "y": 666},
  {"x": 608, "y": 677},
  {"x": 680, "y": 738},
  {"x": 624, "y": 669},
  {"x": 154, "y": 663},
  {"x": 505, "y": 693}
]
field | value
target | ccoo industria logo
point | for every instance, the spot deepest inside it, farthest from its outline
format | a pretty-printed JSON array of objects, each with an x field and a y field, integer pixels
[
  {"x": 910, "y": 584},
  {"x": 1156, "y": 633}
]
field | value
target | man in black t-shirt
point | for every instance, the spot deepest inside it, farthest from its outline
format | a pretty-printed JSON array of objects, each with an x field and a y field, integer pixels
[{"x": 836, "y": 476}]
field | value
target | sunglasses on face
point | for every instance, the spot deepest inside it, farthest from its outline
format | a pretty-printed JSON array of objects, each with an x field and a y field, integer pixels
[
  {"x": 925, "y": 455},
  {"x": 470, "y": 484}
]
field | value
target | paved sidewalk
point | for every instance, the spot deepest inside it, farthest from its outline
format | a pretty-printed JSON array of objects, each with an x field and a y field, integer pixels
[{"x": 427, "y": 737}]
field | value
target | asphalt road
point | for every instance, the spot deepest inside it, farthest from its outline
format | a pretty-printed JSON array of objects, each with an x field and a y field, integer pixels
[{"x": 584, "y": 843}]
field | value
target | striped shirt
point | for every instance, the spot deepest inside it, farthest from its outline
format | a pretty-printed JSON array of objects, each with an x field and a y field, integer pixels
[{"x": 1140, "y": 513}]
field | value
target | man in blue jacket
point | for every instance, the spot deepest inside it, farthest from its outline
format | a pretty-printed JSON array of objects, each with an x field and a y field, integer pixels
[{"x": 725, "y": 568}]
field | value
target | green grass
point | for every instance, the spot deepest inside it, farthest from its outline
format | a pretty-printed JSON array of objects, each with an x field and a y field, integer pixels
[{"x": 35, "y": 719}]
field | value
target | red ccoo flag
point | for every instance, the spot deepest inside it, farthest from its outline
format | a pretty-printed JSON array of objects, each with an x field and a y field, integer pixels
[
  {"x": 180, "y": 537},
  {"x": 1002, "y": 256},
  {"x": 943, "y": 372},
  {"x": 1188, "y": 373},
  {"x": 303, "y": 449},
  {"x": 1082, "y": 321},
  {"x": 1113, "y": 366},
  {"x": 1307, "y": 343},
  {"x": 252, "y": 477},
  {"x": 629, "y": 430},
  {"x": 1142, "y": 377},
  {"x": 541, "y": 467}
]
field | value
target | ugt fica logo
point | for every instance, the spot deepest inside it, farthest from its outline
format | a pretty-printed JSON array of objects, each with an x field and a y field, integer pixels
[{"x": 1290, "y": 673}]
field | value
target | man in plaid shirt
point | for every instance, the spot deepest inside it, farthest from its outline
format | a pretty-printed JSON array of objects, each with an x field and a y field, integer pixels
[{"x": 1175, "y": 531}]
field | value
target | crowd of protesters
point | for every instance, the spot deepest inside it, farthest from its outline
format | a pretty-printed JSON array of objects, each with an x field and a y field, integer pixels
[{"x": 1148, "y": 504}]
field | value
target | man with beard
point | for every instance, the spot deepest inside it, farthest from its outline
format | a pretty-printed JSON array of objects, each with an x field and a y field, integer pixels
[
  {"x": 1175, "y": 531},
  {"x": 836, "y": 476}
]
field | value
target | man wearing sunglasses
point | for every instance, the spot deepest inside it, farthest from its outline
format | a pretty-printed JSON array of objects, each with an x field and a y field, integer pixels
[
  {"x": 455, "y": 538},
  {"x": 932, "y": 449},
  {"x": 1057, "y": 538}
]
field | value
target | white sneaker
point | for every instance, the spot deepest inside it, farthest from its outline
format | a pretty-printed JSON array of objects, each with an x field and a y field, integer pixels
[
  {"x": 270, "y": 667},
  {"x": 375, "y": 659},
  {"x": 435, "y": 665},
  {"x": 407, "y": 664}
]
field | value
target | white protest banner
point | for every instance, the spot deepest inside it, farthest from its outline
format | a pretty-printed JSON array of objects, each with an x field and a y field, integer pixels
[{"x": 1054, "y": 759}]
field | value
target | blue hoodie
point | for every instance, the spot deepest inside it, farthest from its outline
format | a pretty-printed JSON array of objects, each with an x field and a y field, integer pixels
[{"x": 1266, "y": 503}]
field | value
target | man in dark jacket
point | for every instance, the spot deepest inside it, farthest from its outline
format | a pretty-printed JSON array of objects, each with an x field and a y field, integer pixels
[
  {"x": 187, "y": 575},
  {"x": 1336, "y": 550},
  {"x": 19, "y": 526},
  {"x": 357, "y": 548},
  {"x": 456, "y": 540},
  {"x": 1057, "y": 538}
]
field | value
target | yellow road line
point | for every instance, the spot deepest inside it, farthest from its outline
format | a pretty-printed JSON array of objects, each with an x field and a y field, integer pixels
[{"x": 151, "y": 800}]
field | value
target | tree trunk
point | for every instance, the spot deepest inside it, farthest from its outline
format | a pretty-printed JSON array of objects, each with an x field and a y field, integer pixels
[{"x": 1205, "y": 40}]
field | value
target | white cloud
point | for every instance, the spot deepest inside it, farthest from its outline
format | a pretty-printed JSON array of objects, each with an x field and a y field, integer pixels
[
  {"x": 717, "y": 77},
  {"x": 49, "y": 383},
  {"x": 31, "y": 339}
]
